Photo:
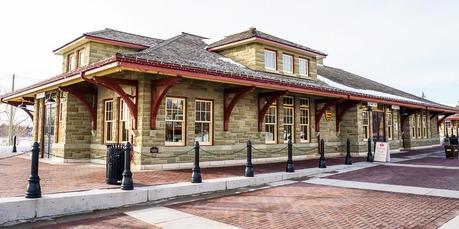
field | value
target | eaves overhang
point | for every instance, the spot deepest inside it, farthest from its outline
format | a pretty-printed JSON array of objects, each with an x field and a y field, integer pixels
[{"x": 119, "y": 63}]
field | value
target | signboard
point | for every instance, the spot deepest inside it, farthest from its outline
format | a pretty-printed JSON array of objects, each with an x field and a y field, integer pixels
[
  {"x": 382, "y": 152},
  {"x": 328, "y": 115},
  {"x": 372, "y": 104},
  {"x": 395, "y": 107}
]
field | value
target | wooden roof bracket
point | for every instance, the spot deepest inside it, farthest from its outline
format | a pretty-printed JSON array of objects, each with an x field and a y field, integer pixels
[
  {"x": 159, "y": 88},
  {"x": 114, "y": 85},
  {"x": 239, "y": 93},
  {"x": 341, "y": 109},
  {"x": 443, "y": 119},
  {"x": 272, "y": 97},
  {"x": 16, "y": 104},
  {"x": 81, "y": 94}
]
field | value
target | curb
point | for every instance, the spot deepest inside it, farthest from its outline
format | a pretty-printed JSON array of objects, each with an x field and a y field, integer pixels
[{"x": 15, "y": 210}]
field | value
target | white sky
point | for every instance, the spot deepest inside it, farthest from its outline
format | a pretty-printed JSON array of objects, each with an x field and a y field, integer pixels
[{"x": 411, "y": 45}]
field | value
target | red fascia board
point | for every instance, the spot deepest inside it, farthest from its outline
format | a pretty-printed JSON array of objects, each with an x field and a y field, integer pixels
[
  {"x": 197, "y": 73},
  {"x": 219, "y": 78}
]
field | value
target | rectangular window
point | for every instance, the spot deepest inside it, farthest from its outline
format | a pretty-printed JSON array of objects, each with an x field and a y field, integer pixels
[
  {"x": 203, "y": 122},
  {"x": 108, "y": 121},
  {"x": 413, "y": 126},
  {"x": 424, "y": 125},
  {"x": 288, "y": 123},
  {"x": 71, "y": 62},
  {"x": 304, "y": 102},
  {"x": 270, "y": 60},
  {"x": 366, "y": 125},
  {"x": 304, "y": 124},
  {"x": 271, "y": 125},
  {"x": 390, "y": 130},
  {"x": 287, "y": 63},
  {"x": 175, "y": 121},
  {"x": 303, "y": 67},
  {"x": 418, "y": 126},
  {"x": 124, "y": 122},
  {"x": 287, "y": 100},
  {"x": 81, "y": 57}
]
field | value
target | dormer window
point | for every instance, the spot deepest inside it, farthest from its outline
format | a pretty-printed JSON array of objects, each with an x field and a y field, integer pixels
[
  {"x": 303, "y": 66},
  {"x": 71, "y": 62},
  {"x": 287, "y": 63},
  {"x": 81, "y": 57},
  {"x": 270, "y": 60}
]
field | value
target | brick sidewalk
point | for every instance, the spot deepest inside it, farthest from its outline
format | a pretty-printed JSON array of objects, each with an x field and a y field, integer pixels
[
  {"x": 77, "y": 177},
  {"x": 118, "y": 220},
  {"x": 408, "y": 176},
  {"x": 303, "y": 205}
]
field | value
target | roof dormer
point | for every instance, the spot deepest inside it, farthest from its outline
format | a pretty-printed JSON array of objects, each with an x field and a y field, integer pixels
[{"x": 263, "y": 52}]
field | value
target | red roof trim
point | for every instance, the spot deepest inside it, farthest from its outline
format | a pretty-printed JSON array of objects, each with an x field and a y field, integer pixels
[{"x": 232, "y": 78}]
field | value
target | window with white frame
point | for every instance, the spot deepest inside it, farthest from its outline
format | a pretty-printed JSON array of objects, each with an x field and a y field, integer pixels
[
  {"x": 175, "y": 121},
  {"x": 418, "y": 126},
  {"x": 270, "y": 60},
  {"x": 366, "y": 124},
  {"x": 203, "y": 122},
  {"x": 287, "y": 63},
  {"x": 289, "y": 117},
  {"x": 71, "y": 62},
  {"x": 413, "y": 125},
  {"x": 304, "y": 120},
  {"x": 81, "y": 57},
  {"x": 424, "y": 125},
  {"x": 124, "y": 122},
  {"x": 390, "y": 130},
  {"x": 271, "y": 125},
  {"x": 108, "y": 121},
  {"x": 303, "y": 67}
]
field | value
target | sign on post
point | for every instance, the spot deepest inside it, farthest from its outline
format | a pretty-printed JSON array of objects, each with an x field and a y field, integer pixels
[{"x": 382, "y": 152}]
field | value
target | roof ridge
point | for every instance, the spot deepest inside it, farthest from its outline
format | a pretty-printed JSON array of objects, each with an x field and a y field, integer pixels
[
  {"x": 119, "y": 31},
  {"x": 373, "y": 81}
]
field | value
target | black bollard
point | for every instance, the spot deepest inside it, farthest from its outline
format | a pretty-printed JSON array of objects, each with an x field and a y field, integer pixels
[
  {"x": 290, "y": 168},
  {"x": 322, "y": 163},
  {"x": 348, "y": 160},
  {"x": 370, "y": 154},
  {"x": 127, "y": 183},
  {"x": 33, "y": 188},
  {"x": 196, "y": 176},
  {"x": 249, "y": 166},
  {"x": 14, "y": 144}
]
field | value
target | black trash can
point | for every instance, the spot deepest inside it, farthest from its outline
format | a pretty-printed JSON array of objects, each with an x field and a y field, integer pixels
[{"x": 115, "y": 163}]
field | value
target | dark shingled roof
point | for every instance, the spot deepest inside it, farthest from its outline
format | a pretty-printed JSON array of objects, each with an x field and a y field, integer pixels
[
  {"x": 355, "y": 81},
  {"x": 116, "y": 35},
  {"x": 190, "y": 51},
  {"x": 253, "y": 32}
]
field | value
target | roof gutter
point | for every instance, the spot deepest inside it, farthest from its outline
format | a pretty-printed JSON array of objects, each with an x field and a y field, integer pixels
[{"x": 119, "y": 63}]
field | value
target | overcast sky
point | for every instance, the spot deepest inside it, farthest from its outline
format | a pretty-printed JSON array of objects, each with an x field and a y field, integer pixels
[{"x": 411, "y": 45}]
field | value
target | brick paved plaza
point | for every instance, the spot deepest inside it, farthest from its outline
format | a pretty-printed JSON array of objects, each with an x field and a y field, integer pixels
[
  {"x": 291, "y": 204},
  {"x": 313, "y": 206},
  {"x": 77, "y": 177}
]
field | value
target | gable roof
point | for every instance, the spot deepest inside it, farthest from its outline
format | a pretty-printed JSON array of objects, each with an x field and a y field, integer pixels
[
  {"x": 188, "y": 53},
  {"x": 253, "y": 32},
  {"x": 117, "y": 36}
]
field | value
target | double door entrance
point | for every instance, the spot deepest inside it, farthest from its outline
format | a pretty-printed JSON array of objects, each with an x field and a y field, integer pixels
[{"x": 379, "y": 126}]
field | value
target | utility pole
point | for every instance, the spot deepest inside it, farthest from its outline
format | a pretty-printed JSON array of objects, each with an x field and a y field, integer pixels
[{"x": 11, "y": 117}]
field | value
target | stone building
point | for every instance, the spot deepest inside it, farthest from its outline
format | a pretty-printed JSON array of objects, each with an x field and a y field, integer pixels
[{"x": 164, "y": 95}]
